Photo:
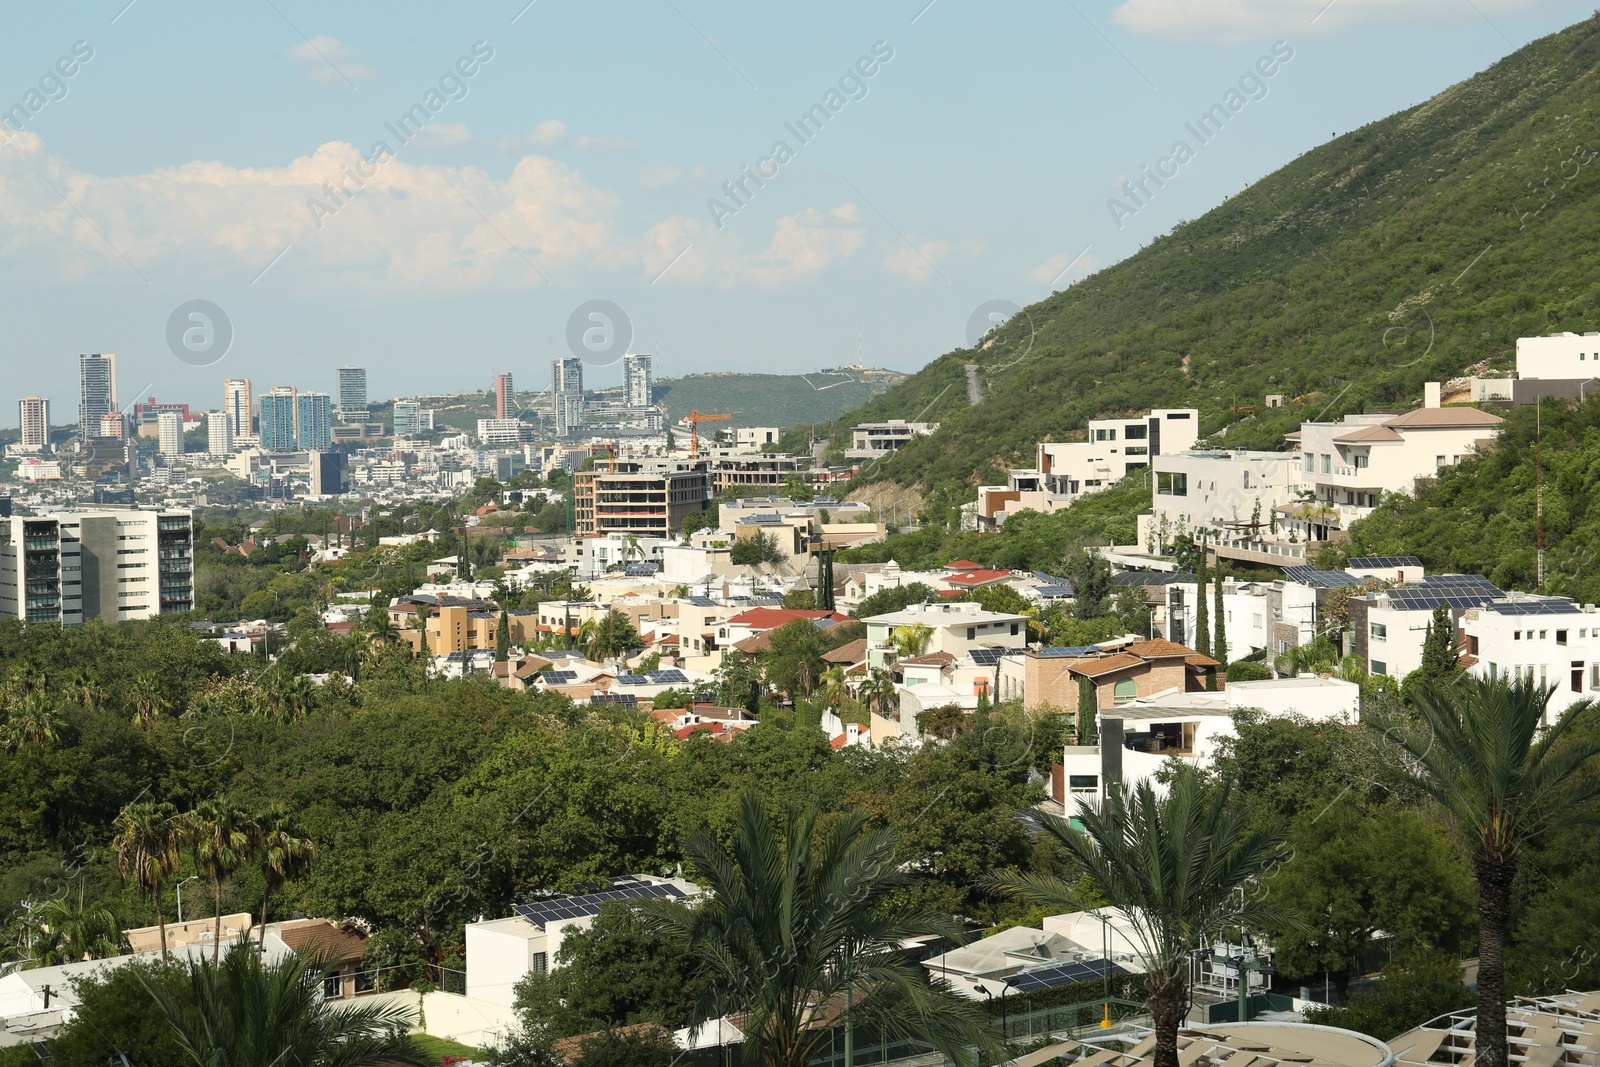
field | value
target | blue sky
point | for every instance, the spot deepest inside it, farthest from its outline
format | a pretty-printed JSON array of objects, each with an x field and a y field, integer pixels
[{"x": 186, "y": 158}]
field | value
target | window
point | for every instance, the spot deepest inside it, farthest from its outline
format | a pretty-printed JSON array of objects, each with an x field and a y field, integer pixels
[
  {"x": 364, "y": 982},
  {"x": 1543, "y": 634},
  {"x": 1136, "y": 433},
  {"x": 1311, "y": 463},
  {"x": 972, "y": 632},
  {"x": 1255, "y": 620},
  {"x": 1379, "y": 667},
  {"x": 1379, "y": 631},
  {"x": 1105, "y": 435},
  {"x": 539, "y": 964},
  {"x": 331, "y": 987},
  {"x": 1124, "y": 691},
  {"x": 1172, "y": 484},
  {"x": 1083, "y": 781},
  {"x": 1013, "y": 629},
  {"x": 1137, "y": 450},
  {"x": 1438, "y": 461},
  {"x": 1516, "y": 635},
  {"x": 1360, "y": 459},
  {"x": 1327, "y": 463}
]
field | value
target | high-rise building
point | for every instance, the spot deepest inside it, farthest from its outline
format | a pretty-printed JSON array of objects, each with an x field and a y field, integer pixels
[
  {"x": 637, "y": 383},
  {"x": 314, "y": 421},
  {"x": 407, "y": 417},
  {"x": 236, "y": 405},
  {"x": 277, "y": 420},
  {"x": 329, "y": 474},
  {"x": 352, "y": 395},
  {"x": 34, "y": 412},
  {"x": 113, "y": 565},
  {"x": 97, "y": 390},
  {"x": 113, "y": 425},
  {"x": 566, "y": 394},
  {"x": 219, "y": 433},
  {"x": 505, "y": 397},
  {"x": 169, "y": 433}
]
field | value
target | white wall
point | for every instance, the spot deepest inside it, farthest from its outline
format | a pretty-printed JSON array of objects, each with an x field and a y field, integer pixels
[
  {"x": 499, "y": 955},
  {"x": 1542, "y": 647},
  {"x": 1400, "y": 649},
  {"x": 1563, "y": 355},
  {"x": 1222, "y": 486},
  {"x": 467, "y": 1020}
]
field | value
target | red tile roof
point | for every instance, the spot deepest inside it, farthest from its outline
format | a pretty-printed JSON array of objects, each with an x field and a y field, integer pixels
[
  {"x": 326, "y": 941},
  {"x": 772, "y": 618},
  {"x": 962, "y": 565},
  {"x": 970, "y": 578}
]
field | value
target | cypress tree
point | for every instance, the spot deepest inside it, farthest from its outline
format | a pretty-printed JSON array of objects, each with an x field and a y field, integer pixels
[
  {"x": 1202, "y": 613},
  {"x": 502, "y": 638},
  {"x": 1219, "y": 619},
  {"x": 1088, "y": 704}
]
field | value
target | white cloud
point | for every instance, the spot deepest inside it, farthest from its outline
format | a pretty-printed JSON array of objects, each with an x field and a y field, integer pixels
[
  {"x": 662, "y": 175},
  {"x": 1054, "y": 270},
  {"x": 1231, "y": 21},
  {"x": 918, "y": 261},
  {"x": 404, "y": 225},
  {"x": 804, "y": 245},
  {"x": 553, "y": 133},
  {"x": 443, "y": 135},
  {"x": 327, "y": 59}
]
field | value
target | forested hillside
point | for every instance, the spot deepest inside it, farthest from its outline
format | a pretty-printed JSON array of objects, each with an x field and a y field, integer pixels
[{"x": 1404, "y": 251}]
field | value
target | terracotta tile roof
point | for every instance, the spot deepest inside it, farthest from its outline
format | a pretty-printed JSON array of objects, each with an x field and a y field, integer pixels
[
  {"x": 1197, "y": 660},
  {"x": 962, "y": 565},
  {"x": 928, "y": 659},
  {"x": 1368, "y": 433},
  {"x": 531, "y": 666},
  {"x": 325, "y": 940},
  {"x": 976, "y": 577},
  {"x": 839, "y": 742},
  {"x": 1444, "y": 418},
  {"x": 772, "y": 618},
  {"x": 1094, "y": 667},
  {"x": 1158, "y": 648},
  {"x": 848, "y": 654}
]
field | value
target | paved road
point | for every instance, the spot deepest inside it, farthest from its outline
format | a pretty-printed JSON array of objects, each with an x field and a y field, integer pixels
[{"x": 974, "y": 389}]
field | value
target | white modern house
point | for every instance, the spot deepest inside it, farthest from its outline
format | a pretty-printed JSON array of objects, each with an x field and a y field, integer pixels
[
  {"x": 501, "y": 952},
  {"x": 1548, "y": 640},
  {"x": 957, "y": 628},
  {"x": 1389, "y": 627},
  {"x": 1138, "y": 737},
  {"x": 1065, "y": 470},
  {"x": 873, "y": 439},
  {"x": 1562, "y": 356},
  {"x": 1218, "y": 492}
]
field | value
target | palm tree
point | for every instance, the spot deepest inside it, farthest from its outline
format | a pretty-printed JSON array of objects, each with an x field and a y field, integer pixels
[
  {"x": 613, "y": 635},
  {"x": 794, "y": 924},
  {"x": 878, "y": 689},
  {"x": 148, "y": 699},
  {"x": 281, "y": 853},
  {"x": 1175, "y": 866},
  {"x": 75, "y": 931},
  {"x": 31, "y": 722},
  {"x": 148, "y": 836},
  {"x": 245, "y": 1012},
  {"x": 222, "y": 840},
  {"x": 911, "y": 639},
  {"x": 833, "y": 686},
  {"x": 82, "y": 688},
  {"x": 27, "y": 677},
  {"x": 1478, "y": 751}
]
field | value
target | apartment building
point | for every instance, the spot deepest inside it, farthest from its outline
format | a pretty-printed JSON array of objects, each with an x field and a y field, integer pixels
[
  {"x": 649, "y": 498},
  {"x": 97, "y": 389},
  {"x": 764, "y": 471},
  {"x": 169, "y": 434},
  {"x": 1550, "y": 641},
  {"x": 236, "y": 405},
  {"x": 506, "y": 431},
  {"x": 34, "y": 415},
  {"x": 873, "y": 439},
  {"x": 1218, "y": 492},
  {"x": 219, "y": 433},
  {"x": 114, "y": 565},
  {"x": 638, "y": 387},
  {"x": 351, "y": 402}
]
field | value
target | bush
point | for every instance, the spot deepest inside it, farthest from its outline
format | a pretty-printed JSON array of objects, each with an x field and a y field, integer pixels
[
  {"x": 1244, "y": 671},
  {"x": 1406, "y": 995}
]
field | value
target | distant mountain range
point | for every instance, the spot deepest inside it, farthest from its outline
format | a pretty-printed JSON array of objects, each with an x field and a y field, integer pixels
[{"x": 1405, "y": 251}]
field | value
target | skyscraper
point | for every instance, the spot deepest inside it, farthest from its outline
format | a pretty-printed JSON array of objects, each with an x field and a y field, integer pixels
[
  {"x": 637, "y": 383},
  {"x": 169, "y": 433},
  {"x": 277, "y": 419},
  {"x": 314, "y": 421},
  {"x": 236, "y": 405},
  {"x": 352, "y": 397},
  {"x": 219, "y": 433},
  {"x": 566, "y": 393},
  {"x": 97, "y": 390},
  {"x": 35, "y": 415},
  {"x": 407, "y": 417},
  {"x": 505, "y": 404}
]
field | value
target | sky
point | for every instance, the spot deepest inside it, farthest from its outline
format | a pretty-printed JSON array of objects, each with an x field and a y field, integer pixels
[{"x": 441, "y": 191}]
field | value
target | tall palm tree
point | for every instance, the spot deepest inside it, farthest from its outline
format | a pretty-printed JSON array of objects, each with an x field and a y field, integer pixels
[
  {"x": 878, "y": 689},
  {"x": 74, "y": 931},
  {"x": 26, "y": 677},
  {"x": 794, "y": 934},
  {"x": 834, "y": 689},
  {"x": 147, "y": 841},
  {"x": 1175, "y": 865},
  {"x": 82, "y": 687},
  {"x": 613, "y": 635},
  {"x": 1478, "y": 751},
  {"x": 281, "y": 853},
  {"x": 245, "y": 1012},
  {"x": 222, "y": 840},
  {"x": 148, "y": 699}
]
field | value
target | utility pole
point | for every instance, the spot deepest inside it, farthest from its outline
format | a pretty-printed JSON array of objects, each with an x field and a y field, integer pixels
[{"x": 1538, "y": 486}]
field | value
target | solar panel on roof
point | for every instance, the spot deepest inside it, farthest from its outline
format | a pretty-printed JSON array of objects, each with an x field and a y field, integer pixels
[
  {"x": 702, "y": 602},
  {"x": 632, "y": 679},
  {"x": 985, "y": 657},
  {"x": 666, "y": 677},
  {"x": 1458, "y": 581},
  {"x": 1068, "y": 650},
  {"x": 542, "y": 913},
  {"x": 1419, "y": 599},
  {"x": 1062, "y": 974},
  {"x": 558, "y": 677},
  {"x": 1384, "y": 561},
  {"x": 1535, "y": 607},
  {"x": 1320, "y": 579},
  {"x": 626, "y": 700}
]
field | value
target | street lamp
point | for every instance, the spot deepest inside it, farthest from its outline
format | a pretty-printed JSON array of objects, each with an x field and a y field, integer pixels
[{"x": 186, "y": 881}]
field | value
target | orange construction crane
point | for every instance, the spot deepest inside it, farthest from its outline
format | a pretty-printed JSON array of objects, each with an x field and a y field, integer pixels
[
  {"x": 611, "y": 452},
  {"x": 694, "y": 419}
]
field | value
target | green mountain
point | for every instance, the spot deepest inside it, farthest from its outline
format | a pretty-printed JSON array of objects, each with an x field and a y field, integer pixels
[
  {"x": 783, "y": 400},
  {"x": 1405, "y": 251}
]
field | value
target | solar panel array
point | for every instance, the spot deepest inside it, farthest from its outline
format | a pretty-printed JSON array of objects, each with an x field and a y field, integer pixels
[
  {"x": 558, "y": 677},
  {"x": 1062, "y": 974},
  {"x": 666, "y": 677},
  {"x": 1321, "y": 579},
  {"x": 1053, "y": 592},
  {"x": 544, "y": 912},
  {"x": 985, "y": 657},
  {"x": 702, "y": 601},
  {"x": 1418, "y": 598},
  {"x": 765, "y": 518},
  {"x": 626, "y": 700},
  {"x": 1370, "y": 562},
  {"x": 632, "y": 679},
  {"x": 1536, "y": 607},
  {"x": 1060, "y": 652},
  {"x": 1152, "y": 578},
  {"x": 1461, "y": 582}
]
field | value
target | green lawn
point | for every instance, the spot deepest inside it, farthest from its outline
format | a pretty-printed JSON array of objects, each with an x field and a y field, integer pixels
[{"x": 438, "y": 1046}]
